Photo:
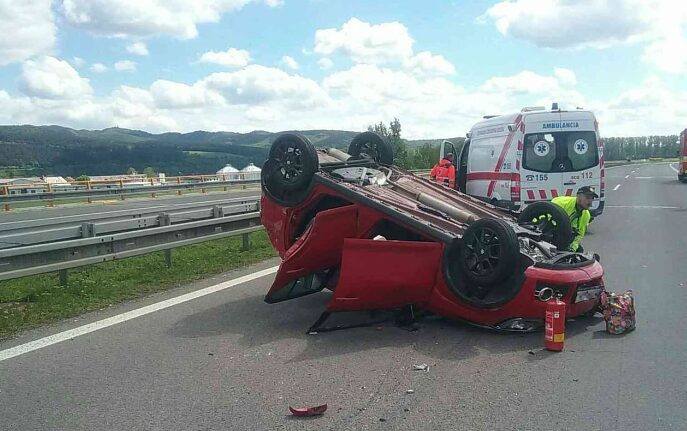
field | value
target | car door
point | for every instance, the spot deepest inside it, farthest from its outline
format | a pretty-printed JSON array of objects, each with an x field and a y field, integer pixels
[
  {"x": 385, "y": 274},
  {"x": 306, "y": 263},
  {"x": 462, "y": 174}
]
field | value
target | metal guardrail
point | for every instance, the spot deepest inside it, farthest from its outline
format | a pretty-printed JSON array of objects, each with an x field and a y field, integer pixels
[
  {"x": 51, "y": 196},
  {"x": 92, "y": 189},
  {"x": 58, "y": 248}
]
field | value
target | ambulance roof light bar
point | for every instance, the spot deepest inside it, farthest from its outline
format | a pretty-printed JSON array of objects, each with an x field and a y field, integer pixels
[{"x": 533, "y": 108}]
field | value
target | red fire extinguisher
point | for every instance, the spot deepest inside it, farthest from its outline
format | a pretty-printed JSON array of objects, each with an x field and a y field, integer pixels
[{"x": 554, "y": 331}]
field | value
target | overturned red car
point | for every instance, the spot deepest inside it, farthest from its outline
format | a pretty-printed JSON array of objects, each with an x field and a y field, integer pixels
[{"x": 382, "y": 238}]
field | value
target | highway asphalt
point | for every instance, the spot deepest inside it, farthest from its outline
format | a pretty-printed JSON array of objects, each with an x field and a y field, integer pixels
[{"x": 228, "y": 361}]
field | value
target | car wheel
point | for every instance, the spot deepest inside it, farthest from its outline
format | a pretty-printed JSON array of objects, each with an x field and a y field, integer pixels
[
  {"x": 551, "y": 220},
  {"x": 489, "y": 251},
  {"x": 370, "y": 145},
  {"x": 291, "y": 164}
]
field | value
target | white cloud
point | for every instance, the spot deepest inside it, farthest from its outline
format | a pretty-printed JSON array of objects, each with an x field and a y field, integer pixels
[
  {"x": 125, "y": 66},
  {"x": 325, "y": 63},
  {"x": 149, "y": 18},
  {"x": 137, "y": 48},
  {"x": 230, "y": 58},
  {"x": 259, "y": 84},
  {"x": 27, "y": 28},
  {"x": 661, "y": 24},
  {"x": 565, "y": 76},
  {"x": 261, "y": 113},
  {"x": 289, "y": 62},
  {"x": 365, "y": 43},
  {"x": 78, "y": 61},
  {"x": 523, "y": 83},
  {"x": 98, "y": 68},
  {"x": 268, "y": 98},
  {"x": 426, "y": 63},
  {"x": 569, "y": 23},
  {"x": 50, "y": 78},
  {"x": 649, "y": 109},
  {"x": 668, "y": 54},
  {"x": 388, "y": 44},
  {"x": 175, "y": 95}
]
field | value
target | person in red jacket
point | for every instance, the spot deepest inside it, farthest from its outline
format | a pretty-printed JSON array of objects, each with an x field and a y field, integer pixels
[{"x": 444, "y": 172}]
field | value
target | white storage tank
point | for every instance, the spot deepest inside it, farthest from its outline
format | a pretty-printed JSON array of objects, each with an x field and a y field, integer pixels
[
  {"x": 228, "y": 173},
  {"x": 251, "y": 172}
]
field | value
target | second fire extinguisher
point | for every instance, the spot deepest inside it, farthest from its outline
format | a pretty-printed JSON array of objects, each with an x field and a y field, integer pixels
[{"x": 554, "y": 331}]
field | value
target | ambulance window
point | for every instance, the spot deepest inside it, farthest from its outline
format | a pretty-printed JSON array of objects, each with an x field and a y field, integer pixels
[
  {"x": 582, "y": 150},
  {"x": 539, "y": 152},
  {"x": 560, "y": 151}
]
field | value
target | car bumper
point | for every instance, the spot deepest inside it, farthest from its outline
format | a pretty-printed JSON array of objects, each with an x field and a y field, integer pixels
[{"x": 526, "y": 312}]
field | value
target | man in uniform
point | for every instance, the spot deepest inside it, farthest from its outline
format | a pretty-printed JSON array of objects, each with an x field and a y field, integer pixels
[
  {"x": 577, "y": 208},
  {"x": 444, "y": 172}
]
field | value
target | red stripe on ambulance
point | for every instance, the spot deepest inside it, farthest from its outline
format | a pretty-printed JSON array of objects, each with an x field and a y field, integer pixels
[
  {"x": 492, "y": 176},
  {"x": 504, "y": 151}
]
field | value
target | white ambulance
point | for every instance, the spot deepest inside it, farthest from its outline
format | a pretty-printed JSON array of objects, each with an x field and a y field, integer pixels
[{"x": 534, "y": 155}]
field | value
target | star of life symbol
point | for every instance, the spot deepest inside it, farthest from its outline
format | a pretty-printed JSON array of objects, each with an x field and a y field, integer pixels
[{"x": 542, "y": 148}]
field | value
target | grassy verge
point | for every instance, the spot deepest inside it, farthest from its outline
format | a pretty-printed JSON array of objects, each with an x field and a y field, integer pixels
[{"x": 31, "y": 301}]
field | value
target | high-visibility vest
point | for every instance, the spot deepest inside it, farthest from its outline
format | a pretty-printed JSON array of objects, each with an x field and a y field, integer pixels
[{"x": 444, "y": 173}]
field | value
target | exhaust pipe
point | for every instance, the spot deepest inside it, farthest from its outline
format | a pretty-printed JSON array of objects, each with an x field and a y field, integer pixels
[
  {"x": 545, "y": 294},
  {"x": 454, "y": 212},
  {"x": 338, "y": 154}
]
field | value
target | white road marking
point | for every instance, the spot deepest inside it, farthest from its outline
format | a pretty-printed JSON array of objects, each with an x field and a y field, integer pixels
[
  {"x": 627, "y": 176},
  {"x": 120, "y": 318},
  {"x": 616, "y": 187},
  {"x": 643, "y": 178},
  {"x": 644, "y": 207},
  {"x": 673, "y": 168}
]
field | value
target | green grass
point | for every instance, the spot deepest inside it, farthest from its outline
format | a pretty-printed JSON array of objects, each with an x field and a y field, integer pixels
[{"x": 32, "y": 301}]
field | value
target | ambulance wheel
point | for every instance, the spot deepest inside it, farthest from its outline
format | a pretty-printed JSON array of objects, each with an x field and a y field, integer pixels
[
  {"x": 288, "y": 172},
  {"x": 551, "y": 220},
  {"x": 489, "y": 252},
  {"x": 370, "y": 145}
]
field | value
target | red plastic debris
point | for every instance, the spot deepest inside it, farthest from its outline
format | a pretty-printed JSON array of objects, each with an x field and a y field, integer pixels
[{"x": 308, "y": 411}]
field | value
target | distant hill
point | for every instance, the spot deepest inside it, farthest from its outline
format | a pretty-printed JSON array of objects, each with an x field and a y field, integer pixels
[
  {"x": 54, "y": 150},
  {"x": 40, "y": 150}
]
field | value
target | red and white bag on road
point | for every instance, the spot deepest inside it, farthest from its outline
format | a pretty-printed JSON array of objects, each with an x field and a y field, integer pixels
[{"x": 619, "y": 312}]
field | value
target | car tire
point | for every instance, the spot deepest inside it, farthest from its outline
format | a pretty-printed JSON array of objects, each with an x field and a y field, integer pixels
[
  {"x": 556, "y": 227},
  {"x": 296, "y": 161},
  {"x": 288, "y": 172},
  {"x": 489, "y": 252},
  {"x": 372, "y": 146}
]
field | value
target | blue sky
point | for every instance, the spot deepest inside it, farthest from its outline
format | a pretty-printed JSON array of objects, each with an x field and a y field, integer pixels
[{"x": 437, "y": 65}]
